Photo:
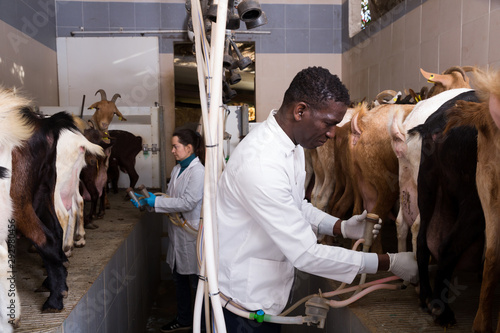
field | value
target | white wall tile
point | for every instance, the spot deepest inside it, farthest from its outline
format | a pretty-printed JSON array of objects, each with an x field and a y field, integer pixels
[
  {"x": 494, "y": 37},
  {"x": 413, "y": 21},
  {"x": 430, "y": 20},
  {"x": 474, "y": 9},
  {"x": 475, "y": 42}
]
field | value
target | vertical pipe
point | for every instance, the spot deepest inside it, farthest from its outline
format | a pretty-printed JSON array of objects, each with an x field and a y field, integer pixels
[{"x": 211, "y": 128}]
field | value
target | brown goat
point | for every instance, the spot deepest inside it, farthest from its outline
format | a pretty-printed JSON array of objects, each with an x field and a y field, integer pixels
[
  {"x": 105, "y": 110},
  {"x": 453, "y": 77},
  {"x": 126, "y": 146}
]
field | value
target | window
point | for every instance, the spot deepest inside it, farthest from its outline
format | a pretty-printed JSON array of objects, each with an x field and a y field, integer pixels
[
  {"x": 371, "y": 10},
  {"x": 365, "y": 14}
]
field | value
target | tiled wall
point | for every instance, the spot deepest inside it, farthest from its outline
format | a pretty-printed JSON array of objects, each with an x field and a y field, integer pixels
[
  {"x": 294, "y": 28},
  {"x": 432, "y": 34},
  {"x": 429, "y": 34},
  {"x": 27, "y": 48},
  {"x": 300, "y": 35}
]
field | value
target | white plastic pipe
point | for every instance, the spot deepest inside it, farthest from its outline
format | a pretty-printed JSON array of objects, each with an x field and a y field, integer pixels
[
  {"x": 200, "y": 291},
  {"x": 211, "y": 126}
]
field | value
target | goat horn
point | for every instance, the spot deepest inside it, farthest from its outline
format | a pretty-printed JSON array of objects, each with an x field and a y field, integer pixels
[
  {"x": 456, "y": 69},
  {"x": 386, "y": 93},
  {"x": 103, "y": 94},
  {"x": 115, "y": 96},
  {"x": 473, "y": 69}
]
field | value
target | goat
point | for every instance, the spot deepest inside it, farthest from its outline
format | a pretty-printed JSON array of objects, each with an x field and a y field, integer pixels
[
  {"x": 484, "y": 117},
  {"x": 452, "y": 77},
  {"x": 374, "y": 164},
  {"x": 94, "y": 176},
  {"x": 32, "y": 193},
  {"x": 71, "y": 149},
  {"x": 126, "y": 146},
  {"x": 451, "y": 217},
  {"x": 105, "y": 110},
  {"x": 407, "y": 150},
  {"x": 14, "y": 131},
  {"x": 320, "y": 162},
  {"x": 342, "y": 200}
]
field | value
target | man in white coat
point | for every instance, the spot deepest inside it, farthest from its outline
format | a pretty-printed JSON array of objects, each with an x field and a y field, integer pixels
[{"x": 266, "y": 228}]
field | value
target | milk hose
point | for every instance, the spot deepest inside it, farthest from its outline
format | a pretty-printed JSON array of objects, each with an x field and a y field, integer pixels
[{"x": 362, "y": 290}]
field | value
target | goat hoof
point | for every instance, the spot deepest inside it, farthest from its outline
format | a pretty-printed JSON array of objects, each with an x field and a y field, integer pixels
[
  {"x": 66, "y": 264},
  {"x": 91, "y": 226},
  {"x": 446, "y": 318},
  {"x": 80, "y": 243},
  {"x": 64, "y": 293},
  {"x": 51, "y": 310},
  {"x": 16, "y": 323}
]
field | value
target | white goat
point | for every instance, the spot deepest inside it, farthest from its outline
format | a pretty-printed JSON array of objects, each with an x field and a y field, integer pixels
[
  {"x": 13, "y": 131},
  {"x": 70, "y": 160},
  {"x": 408, "y": 150}
]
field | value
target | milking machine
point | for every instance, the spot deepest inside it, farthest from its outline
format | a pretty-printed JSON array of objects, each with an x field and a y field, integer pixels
[{"x": 317, "y": 305}]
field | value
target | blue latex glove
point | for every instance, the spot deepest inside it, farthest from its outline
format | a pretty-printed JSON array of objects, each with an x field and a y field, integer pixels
[
  {"x": 135, "y": 202},
  {"x": 144, "y": 201},
  {"x": 147, "y": 201}
]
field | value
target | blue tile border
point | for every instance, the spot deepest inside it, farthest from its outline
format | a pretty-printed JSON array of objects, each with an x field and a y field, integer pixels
[
  {"x": 292, "y": 27},
  {"x": 295, "y": 28},
  {"x": 36, "y": 19}
]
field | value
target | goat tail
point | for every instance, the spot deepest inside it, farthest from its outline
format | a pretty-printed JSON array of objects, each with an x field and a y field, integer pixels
[
  {"x": 476, "y": 114},
  {"x": 487, "y": 83},
  {"x": 71, "y": 139},
  {"x": 466, "y": 114},
  {"x": 92, "y": 148},
  {"x": 14, "y": 128},
  {"x": 359, "y": 112}
]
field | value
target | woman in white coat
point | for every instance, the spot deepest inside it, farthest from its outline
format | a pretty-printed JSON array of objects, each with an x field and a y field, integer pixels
[{"x": 185, "y": 194}]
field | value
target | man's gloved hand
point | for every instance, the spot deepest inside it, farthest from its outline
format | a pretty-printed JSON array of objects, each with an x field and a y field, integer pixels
[
  {"x": 354, "y": 227},
  {"x": 404, "y": 265}
]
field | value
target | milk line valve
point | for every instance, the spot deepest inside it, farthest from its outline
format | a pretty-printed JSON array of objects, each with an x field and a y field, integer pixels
[{"x": 154, "y": 148}]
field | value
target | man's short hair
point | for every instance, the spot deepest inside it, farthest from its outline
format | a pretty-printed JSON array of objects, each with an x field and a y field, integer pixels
[{"x": 316, "y": 86}]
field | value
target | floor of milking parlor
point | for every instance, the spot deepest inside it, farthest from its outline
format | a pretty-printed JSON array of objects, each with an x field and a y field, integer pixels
[{"x": 380, "y": 311}]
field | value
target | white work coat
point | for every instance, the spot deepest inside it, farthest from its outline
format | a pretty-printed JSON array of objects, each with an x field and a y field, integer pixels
[
  {"x": 266, "y": 228},
  {"x": 186, "y": 194}
]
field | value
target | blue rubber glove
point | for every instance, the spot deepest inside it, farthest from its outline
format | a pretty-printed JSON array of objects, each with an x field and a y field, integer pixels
[
  {"x": 134, "y": 202},
  {"x": 148, "y": 201},
  {"x": 144, "y": 201}
]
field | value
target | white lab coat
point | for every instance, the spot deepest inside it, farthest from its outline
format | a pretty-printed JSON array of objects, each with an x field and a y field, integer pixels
[
  {"x": 266, "y": 228},
  {"x": 186, "y": 194}
]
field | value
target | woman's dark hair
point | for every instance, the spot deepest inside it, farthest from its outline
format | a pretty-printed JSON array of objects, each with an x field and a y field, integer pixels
[{"x": 189, "y": 137}]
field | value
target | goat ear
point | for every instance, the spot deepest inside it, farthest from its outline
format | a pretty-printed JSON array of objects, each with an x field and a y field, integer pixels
[
  {"x": 93, "y": 106},
  {"x": 120, "y": 116},
  {"x": 434, "y": 78}
]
